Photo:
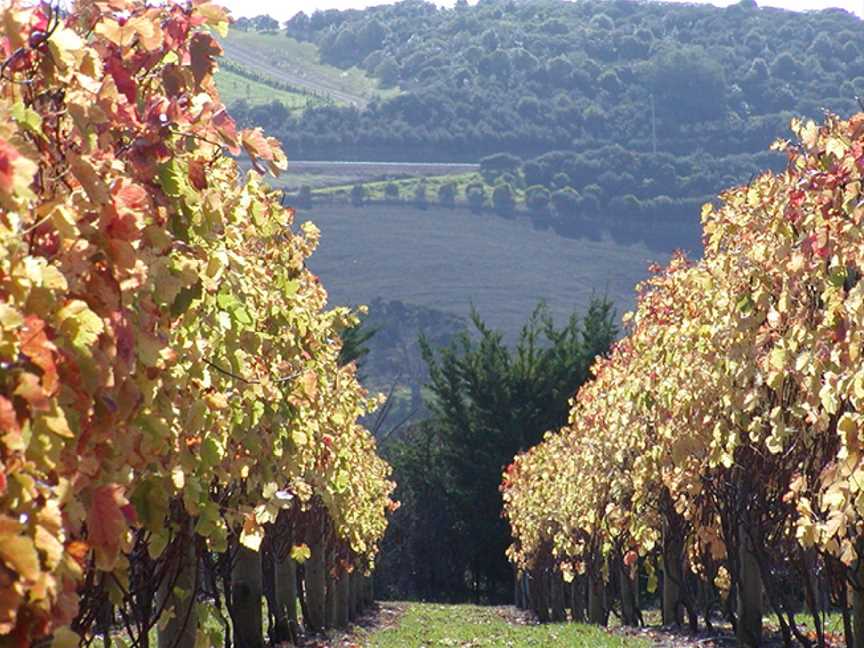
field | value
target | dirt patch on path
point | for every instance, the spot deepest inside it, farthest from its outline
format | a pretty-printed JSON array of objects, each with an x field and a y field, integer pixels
[{"x": 380, "y": 616}]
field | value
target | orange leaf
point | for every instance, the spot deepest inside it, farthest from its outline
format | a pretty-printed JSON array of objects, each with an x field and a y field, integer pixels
[{"x": 36, "y": 346}]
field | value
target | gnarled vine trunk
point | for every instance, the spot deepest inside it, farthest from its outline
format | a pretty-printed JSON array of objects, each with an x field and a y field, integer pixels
[
  {"x": 556, "y": 589},
  {"x": 247, "y": 592},
  {"x": 342, "y": 596},
  {"x": 178, "y": 589},
  {"x": 315, "y": 587},
  {"x": 628, "y": 587},
  {"x": 285, "y": 610},
  {"x": 673, "y": 576},
  {"x": 749, "y": 613}
]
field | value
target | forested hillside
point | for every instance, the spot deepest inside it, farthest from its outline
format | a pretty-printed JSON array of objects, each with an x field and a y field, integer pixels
[{"x": 649, "y": 102}]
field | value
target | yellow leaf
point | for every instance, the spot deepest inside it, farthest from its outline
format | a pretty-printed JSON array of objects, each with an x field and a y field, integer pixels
[
  {"x": 216, "y": 400},
  {"x": 19, "y": 554},
  {"x": 252, "y": 537},
  {"x": 66, "y": 47},
  {"x": 10, "y": 317},
  {"x": 48, "y": 543},
  {"x": 301, "y": 553},
  {"x": 55, "y": 421},
  {"x": 299, "y": 437}
]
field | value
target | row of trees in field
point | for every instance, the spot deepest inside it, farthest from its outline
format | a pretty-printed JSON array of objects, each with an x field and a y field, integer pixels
[
  {"x": 720, "y": 444},
  {"x": 172, "y": 404}
]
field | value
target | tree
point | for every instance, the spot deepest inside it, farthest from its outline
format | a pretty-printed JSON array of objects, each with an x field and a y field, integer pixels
[
  {"x": 298, "y": 25},
  {"x": 265, "y": 22},
  {"x": 492, "y": 166},
  {"x": 304, "y": 196},
  {"x": 490, "y": 400},
  {"x": 447, "y": 194},
  {"x": 503, "y": 201},
  {"x": 420, "y": 195},
  {"x": 566, "y": 201},
  {"x": 785, "y": 67},
  {"x": 391, "y": 191},
  {"x": 688, "y": 85},
  {"x": 475, "y": 194},
  {"x": 388, "y": 71},
  {"x": 537, "y": 197}
]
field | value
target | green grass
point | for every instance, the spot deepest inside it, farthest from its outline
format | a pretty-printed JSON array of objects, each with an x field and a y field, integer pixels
[
  {"x": 300, "y": 63},
  {"x": 430, "y": 625},
  {"x": 233, "y": 86},
  {"x": 832, "y": 622}
]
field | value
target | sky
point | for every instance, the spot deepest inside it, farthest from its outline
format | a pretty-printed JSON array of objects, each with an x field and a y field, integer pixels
[{"x": 283, "y": 10}]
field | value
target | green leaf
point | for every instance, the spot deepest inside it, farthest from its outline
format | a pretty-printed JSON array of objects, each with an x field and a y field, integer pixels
[
  {"x": 27, "y": 117},
  {"x": 225, "y": 300},
  {"x": 211, "y": 452},
  {"x": 745, "y": 304},
  {"x": 241, "y": 316},
  {"x": 151, "y": 503},
  {"x": 837, "y": 277},
  {"x": 81, "y": 324},
  {"x": 171, "y": 178}
]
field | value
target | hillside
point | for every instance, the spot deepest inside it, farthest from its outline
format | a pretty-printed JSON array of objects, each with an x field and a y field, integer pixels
[
  {"x": 543, "y": 75},
  {"x": 624, "y": 109},
  {"x": 449, "y": 260},
  {"x": 274, "y": 57}
]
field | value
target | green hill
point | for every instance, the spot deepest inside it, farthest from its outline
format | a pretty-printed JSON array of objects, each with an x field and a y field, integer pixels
[{"x": 601, "y": 110}]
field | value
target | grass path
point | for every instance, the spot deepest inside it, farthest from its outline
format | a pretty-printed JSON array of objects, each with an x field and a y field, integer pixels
[{"x": 430, "y": 625}]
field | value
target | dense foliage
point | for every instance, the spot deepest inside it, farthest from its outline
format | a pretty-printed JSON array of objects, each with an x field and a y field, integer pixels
[
  {"x": 527, "y": 77},
  {"x": 655, "y": 106},
  {"x": 722, "y": 435},
  {"x": 488, "y": 400},
  {"x": 169, "y": 372}
]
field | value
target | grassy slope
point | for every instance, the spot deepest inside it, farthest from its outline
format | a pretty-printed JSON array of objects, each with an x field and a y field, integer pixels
[
  {"x": 426, "y": 624},
  {"x": 233, "y": 86},
  {"x": 450, "y": 259},
  {"x": 299, "y": 62}
]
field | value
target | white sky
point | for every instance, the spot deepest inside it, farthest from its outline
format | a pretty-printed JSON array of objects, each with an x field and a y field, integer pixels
[{"x": 283, "y": 10}]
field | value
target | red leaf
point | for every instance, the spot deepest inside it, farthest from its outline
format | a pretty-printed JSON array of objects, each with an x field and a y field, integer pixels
[
  {"x": 122, "y": 79},
  {"x": 8, "y": 419},
  {"x": 8, "y": 155},
  {"x": 198, "y": 174},
  {"x": 203, "y": 50},
  {"x": 106, "y": 524},
  {"x": 227, "y": 129}
]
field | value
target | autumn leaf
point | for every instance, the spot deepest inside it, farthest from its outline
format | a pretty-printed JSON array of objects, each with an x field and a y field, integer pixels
[
  {"x": 203, "y": 50},
  {"x": 19, "y": 554},
  {"x": 106, "y": 524}
]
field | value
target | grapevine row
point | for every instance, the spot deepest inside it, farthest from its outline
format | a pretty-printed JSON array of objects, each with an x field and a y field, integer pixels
[
  {"x": 720, "y": 444},
  {"x": 170, "y": 397}
]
